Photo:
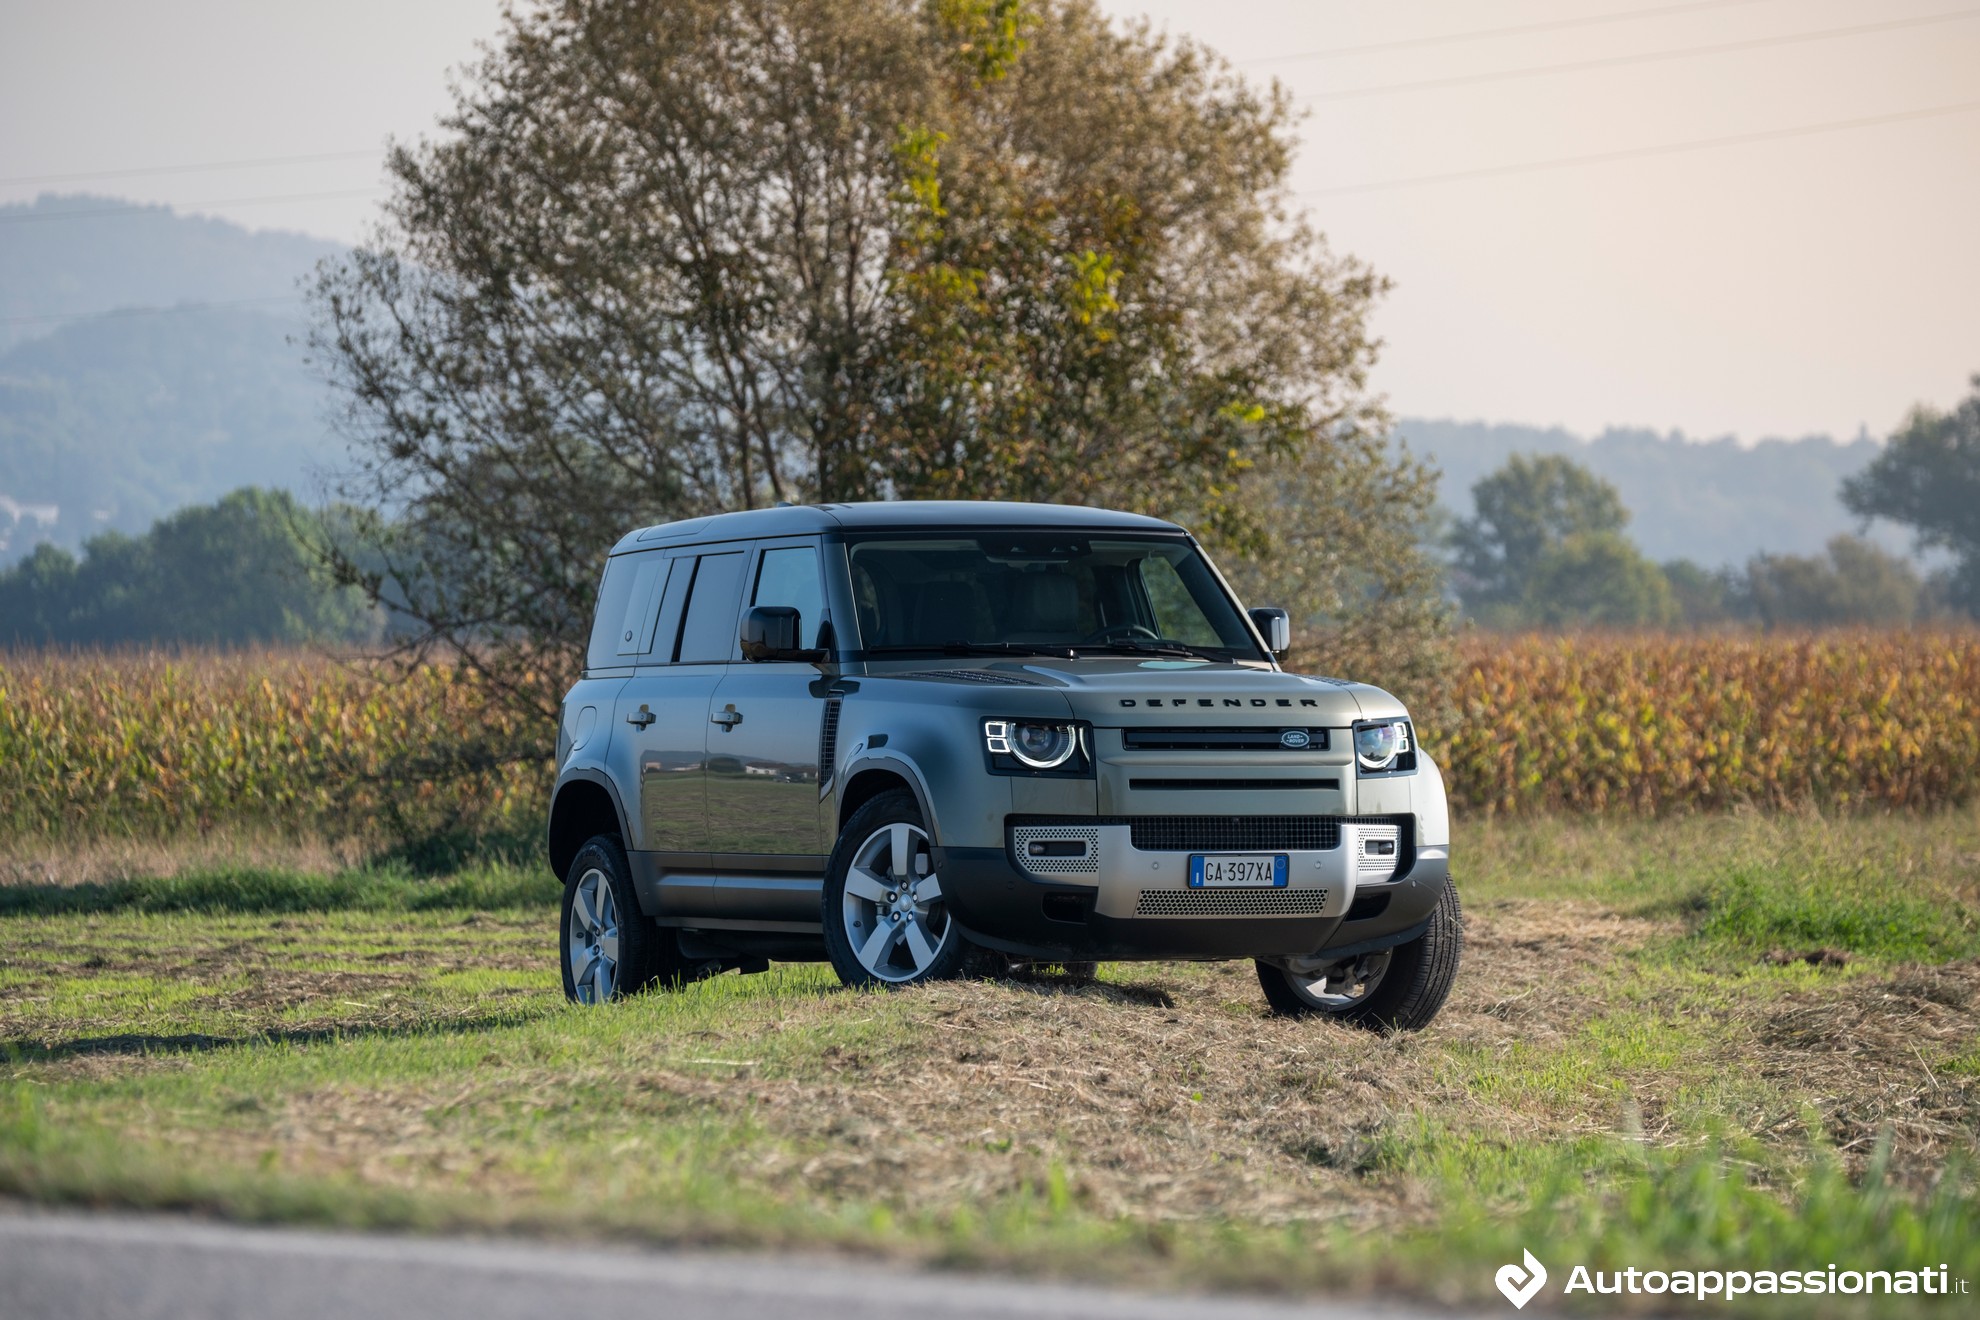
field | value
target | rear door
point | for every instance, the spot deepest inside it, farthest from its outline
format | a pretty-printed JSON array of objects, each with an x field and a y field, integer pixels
[
  {"x": 768, "y": 720},
  {"x": 660, "y": 729}
]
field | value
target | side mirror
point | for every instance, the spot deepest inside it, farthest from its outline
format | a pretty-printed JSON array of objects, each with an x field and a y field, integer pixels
[
  {"x": 770, "y": 632},
  {"x": 1275, "y": 626}
]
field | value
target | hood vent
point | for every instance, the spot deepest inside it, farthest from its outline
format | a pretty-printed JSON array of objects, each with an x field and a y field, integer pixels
[{"x": 973, "y": 676}]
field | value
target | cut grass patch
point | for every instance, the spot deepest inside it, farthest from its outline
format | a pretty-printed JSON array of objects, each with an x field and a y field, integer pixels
[
  {"x": 385, "y": 888},
  {"x": 1614, "y": 1079}
]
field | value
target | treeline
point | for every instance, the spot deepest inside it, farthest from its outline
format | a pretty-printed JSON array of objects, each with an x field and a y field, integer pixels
[{"x": 243, "y": 569}]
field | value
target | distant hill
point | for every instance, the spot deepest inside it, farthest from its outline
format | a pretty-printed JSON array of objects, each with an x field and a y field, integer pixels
[
  {"x": 81, "y": 254},
  {"x": 111, "y": 421},
  {"x": 1714, "y": 502},
  {"x": 118, "y": 418}
]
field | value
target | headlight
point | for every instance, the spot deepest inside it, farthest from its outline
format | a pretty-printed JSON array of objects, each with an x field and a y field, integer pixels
[
  {"x": 1379, "y": 746},
  {"x": 1035, "y": 744}
]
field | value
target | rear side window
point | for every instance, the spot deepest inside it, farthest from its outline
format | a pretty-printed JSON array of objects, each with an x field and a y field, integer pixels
[
  {"x": 622, "y": 629},
  {"x": 708, "y": 634},
  {"x": 789, "y": 576}
]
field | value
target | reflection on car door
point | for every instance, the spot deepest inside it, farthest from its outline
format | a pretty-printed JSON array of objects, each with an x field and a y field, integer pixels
[
  {"x": 661, "y": 717},
  {"x": 764, "y": 739}
]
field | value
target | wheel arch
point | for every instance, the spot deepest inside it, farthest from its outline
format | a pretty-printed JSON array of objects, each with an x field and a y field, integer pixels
[
  {"x": 586, "y": 805},
  {"x": 872, "y": 777}
]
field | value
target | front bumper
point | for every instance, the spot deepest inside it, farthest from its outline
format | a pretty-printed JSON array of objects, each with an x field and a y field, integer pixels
[{"x": 1123, "y": 902}]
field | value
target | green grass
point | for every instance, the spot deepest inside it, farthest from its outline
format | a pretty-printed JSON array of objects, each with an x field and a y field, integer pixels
[{"x": 1621, "y": 1078}]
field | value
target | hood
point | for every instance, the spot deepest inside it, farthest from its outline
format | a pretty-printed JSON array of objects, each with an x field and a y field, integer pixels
[{"x": 1112, "y": 691}]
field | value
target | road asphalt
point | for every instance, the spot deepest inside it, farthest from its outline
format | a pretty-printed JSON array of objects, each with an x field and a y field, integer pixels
[{"x": 60, "y": 1265}]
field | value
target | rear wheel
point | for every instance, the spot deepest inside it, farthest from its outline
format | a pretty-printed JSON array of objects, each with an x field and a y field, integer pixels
[
  {"x": 610, "y": 950},
  {"x": 886, "y": 920},
  {"x": 1395, "y": 989}
]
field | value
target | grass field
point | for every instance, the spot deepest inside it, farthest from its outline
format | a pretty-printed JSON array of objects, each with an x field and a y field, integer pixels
[{"x": 1717, "y": 1042}]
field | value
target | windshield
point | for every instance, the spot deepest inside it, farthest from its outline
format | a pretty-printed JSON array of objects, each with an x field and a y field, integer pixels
[{"x": 1043, "y": 593}]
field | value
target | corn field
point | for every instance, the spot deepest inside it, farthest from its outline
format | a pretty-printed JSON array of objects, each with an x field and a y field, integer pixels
[{"x": 165, "y": 744}]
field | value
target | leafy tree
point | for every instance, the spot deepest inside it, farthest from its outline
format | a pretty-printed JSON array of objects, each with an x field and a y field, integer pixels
[
  {"x": 235, "y": 571},
  {"x": 1596, "y": 579},
  {"x": 1526, "y": 509},
  {"x": 1855, "y": 583},
  {"x": 1547, "y": 548},
  {"x": 1705, "y": 598},
  {"x": 679, "y": 256},
  {"x": 1928, "y": 478}
]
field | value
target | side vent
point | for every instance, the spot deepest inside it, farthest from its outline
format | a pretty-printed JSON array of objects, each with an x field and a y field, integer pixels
[{"x": 828, "y": 746}]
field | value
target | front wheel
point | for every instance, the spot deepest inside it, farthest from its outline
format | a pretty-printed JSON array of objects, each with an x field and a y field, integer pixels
[
  {"x": 1396, "y": 989},
  {"x": 886, "y": 920}
]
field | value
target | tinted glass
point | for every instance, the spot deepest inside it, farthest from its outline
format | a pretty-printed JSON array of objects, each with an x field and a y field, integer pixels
[
  {"x": 1043, "y": 589},
  {"x": 636, "y": 628},
  {"x": 708, "y": 635},
  {"x": 623, "y": 598},
  {"x": 789, "y": 576}
]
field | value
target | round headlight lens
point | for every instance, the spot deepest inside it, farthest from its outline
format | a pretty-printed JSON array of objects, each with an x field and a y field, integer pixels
[
  {"x": 1043, "y": 746},
  {"x": 1378, "y": 745}
]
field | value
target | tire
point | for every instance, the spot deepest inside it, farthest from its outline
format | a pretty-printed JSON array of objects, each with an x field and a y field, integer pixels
[
  {"x": 607, "y": 949},
  {"x": 879, "y": 931},
  {"x": 1398, "y": 989}
]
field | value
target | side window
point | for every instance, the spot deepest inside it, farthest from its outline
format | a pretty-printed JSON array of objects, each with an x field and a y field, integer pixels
[
  {"x": 708, "y": 634},
  {"x": 789, "y": 576},
  {"x": 636, "y": 630},
  {"x": 1177, "y": 616},
  {"x": 625, "y": 599}
]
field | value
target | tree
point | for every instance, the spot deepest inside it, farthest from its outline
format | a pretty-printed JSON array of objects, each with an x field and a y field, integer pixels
[
  {"x": 1855, "y": 583},
  {"x": 1596, "y": 579},
  {"x": 1928, "y": 478},
  {"x": 1546, "y": 547},
  {"x": 234, "y": 571},
  {"x": 680, "y": 256},
  {"x": 1525, "y": 509},
  {"x": 1705, "y": 598}
]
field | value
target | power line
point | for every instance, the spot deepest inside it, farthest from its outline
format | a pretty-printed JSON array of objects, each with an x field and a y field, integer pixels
[
  {"x": 186, "y": 206},
  {"x": 1665, "y": 149},
  {"x": 1478, "y": 34},
  {"x": 256, "y": 163},
  {"x": 51, "y": 318},
  {"x": 1644, "y": 57}
]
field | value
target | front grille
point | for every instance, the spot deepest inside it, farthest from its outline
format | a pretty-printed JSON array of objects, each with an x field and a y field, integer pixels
[
  {"x": 1203, "y": 740},
  {"x": 1235, "y": 833},
  {"x": 1230, "y": 903}
]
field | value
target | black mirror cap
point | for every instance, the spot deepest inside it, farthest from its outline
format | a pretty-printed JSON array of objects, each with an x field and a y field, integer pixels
[
  {"x": 770, "y": 632},
  {"x": 1275, "y": 626}
]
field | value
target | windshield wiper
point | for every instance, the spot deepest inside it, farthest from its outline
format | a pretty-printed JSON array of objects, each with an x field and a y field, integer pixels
[
  {"x": 980, "y": 648},
  {"x": 1149, "y": 648}
]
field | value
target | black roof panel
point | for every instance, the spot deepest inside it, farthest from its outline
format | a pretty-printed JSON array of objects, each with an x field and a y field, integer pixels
[{"x": 879, "y": 515}]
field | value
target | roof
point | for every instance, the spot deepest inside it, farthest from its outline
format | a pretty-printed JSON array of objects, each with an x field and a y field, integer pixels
[{"x": 877, "y": 515}]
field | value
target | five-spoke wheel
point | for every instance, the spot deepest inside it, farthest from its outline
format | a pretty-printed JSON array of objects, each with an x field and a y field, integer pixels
[
  {"x": 886, "y": 922},
  {"x": 591, "y": 948}
]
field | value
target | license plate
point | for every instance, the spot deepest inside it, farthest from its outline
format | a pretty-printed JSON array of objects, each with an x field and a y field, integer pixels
[{"x": 1237, "y": 870}]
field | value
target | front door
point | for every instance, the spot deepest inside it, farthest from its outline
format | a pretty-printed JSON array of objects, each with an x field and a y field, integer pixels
[{"x": 765, "y": 725}]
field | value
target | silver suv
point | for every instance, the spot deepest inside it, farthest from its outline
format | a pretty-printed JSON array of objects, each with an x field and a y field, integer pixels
[{"x": 915, "y": 737}]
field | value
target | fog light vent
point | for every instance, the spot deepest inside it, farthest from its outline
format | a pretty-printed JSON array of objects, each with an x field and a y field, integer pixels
[
  {"x": 1057, "y": 849},
  {"x": 1378, "y": 849}
]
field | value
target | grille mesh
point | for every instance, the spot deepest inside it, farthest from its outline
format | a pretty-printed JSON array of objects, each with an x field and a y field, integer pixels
[
  {"x": 1087, "y": 865},
  {"x": 1377, "y": 868},
  {"x": 1220, "y": 739},
  {"x": 1235, "y": 833},
  {"x": 1230, "y": 903}
]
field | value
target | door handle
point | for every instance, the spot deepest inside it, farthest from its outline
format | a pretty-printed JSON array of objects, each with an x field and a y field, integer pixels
[
  {"x": 729, "y": 717},
  {"x": 640, "y": 718}
]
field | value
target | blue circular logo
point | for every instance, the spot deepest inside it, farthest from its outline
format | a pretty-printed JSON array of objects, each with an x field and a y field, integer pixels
[{"x": 1293, "y": 738}]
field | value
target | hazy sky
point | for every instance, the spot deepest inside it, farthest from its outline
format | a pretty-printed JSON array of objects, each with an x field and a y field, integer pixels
[{"x": 1805, "y": 282}]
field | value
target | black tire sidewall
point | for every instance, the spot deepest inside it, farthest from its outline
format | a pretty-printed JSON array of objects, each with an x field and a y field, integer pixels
[
  {"x": 641, "y": 960},
  {"x": 1413, "y": 987},
  {"x": 895, "y": 807}
]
